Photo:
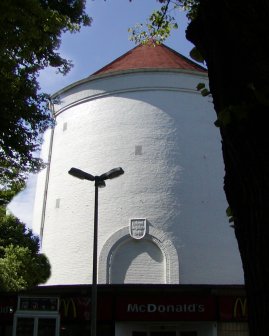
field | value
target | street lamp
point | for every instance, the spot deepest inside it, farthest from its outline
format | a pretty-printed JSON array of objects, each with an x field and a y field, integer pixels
[{"x": 99, "y": 183}]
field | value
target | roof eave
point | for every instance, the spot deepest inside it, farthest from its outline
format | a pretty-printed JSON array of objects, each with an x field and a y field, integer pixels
[{"x": 124, "y": 72}]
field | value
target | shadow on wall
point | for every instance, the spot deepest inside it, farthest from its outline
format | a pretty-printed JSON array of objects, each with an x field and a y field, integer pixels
[{"x": 138, "y": 261}]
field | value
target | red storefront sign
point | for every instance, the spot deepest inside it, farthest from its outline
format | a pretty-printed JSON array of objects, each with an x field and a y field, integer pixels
[
  {"x": 233, "y": 308},
  {"x": 79, "y": 308},
  {"x": 182, "y": 308},
  {"x": 161, "y": 307}
]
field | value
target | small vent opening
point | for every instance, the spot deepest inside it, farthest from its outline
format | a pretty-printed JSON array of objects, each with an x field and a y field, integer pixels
[
  {"x": 57, "y": 204},
  {"x": 138, "y": 150}
]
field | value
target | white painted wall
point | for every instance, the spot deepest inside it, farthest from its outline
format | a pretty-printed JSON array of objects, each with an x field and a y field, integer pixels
[{"x": 177, "y": 182}]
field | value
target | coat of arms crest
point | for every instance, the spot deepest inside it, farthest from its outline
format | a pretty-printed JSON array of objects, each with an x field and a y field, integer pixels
[{"x": 138, "y": 228}]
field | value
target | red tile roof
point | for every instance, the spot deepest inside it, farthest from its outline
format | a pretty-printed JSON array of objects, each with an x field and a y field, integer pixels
[{"x": 150, "y": 56}]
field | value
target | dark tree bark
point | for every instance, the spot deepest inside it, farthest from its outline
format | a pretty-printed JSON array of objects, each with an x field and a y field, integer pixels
[{"x": 233, "y": 37}]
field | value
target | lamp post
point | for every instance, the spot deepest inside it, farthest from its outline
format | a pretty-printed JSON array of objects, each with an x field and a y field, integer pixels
[{"x": 99, "y": 183}]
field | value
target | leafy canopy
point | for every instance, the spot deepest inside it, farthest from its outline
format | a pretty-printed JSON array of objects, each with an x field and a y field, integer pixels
[
  {"x": 30, "y": 33},
  {"x": 160, "y": 23},
  {"x": 21, "y": 264},
  {"x": 30, "y": 37}
]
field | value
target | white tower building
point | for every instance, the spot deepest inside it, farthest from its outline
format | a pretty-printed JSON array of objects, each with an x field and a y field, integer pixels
[{"x": 163, "y": 221}]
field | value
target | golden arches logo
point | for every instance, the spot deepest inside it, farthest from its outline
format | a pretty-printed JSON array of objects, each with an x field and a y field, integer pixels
[
  {"x": 240, "y": 307},
  {"x": 68, "y": 305}
]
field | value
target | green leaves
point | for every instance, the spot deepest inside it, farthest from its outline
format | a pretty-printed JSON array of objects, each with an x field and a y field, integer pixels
[
  {"x": 11, "y": 266},
  {"x": 13, "y": 231},
  {"x": 21, "y": 264},
  {"x": 232, "y": 114},
  {"x": 160, "y": 23},
  {"x": 21, "y": 269},
  {"x": 230, "y": 215},
  {"x": 204, "y": 91},
  {"x": 157, "y": 28},
  {"x": 30, "y": 37},
  {"x": 196, "y": 55}
]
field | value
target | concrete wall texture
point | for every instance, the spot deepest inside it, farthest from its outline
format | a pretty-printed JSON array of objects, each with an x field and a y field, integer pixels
[{"x": 159, "y": 129}]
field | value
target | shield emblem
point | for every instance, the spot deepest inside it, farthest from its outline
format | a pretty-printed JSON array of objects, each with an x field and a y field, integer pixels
[{"x": 138, "y": 228}]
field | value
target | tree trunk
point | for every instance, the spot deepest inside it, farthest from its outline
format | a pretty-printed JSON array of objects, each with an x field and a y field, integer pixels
[
  {"x": 246, "y": 187},
  {"x": 233, "y": 37}
]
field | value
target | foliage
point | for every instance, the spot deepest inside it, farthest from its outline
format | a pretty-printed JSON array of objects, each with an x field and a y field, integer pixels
[
  {"x": 157, "y": 28},
  {"x": 12, "y": 188},
  {"x": 160, "y": 23},
  {"x": 196, "y": 55},
  {"x": 30, "y": 37},
  {"x": 21, "y": 265},
  {"x": 20, "y": 269},
  {"x": 202, "y": 88}
]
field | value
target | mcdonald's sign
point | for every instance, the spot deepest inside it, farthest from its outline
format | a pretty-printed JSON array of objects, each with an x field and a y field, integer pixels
[
  {"x": 233, "y": 308},
  {"x": 240, "y": 308},
  {"x": 68, "y": 308},
  {"x": 78, "y": 308}
]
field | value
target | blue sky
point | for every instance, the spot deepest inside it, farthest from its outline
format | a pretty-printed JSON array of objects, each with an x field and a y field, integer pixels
[
  {"x": 91, "y": 49},
  {"x": 107, "y": 39}
]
